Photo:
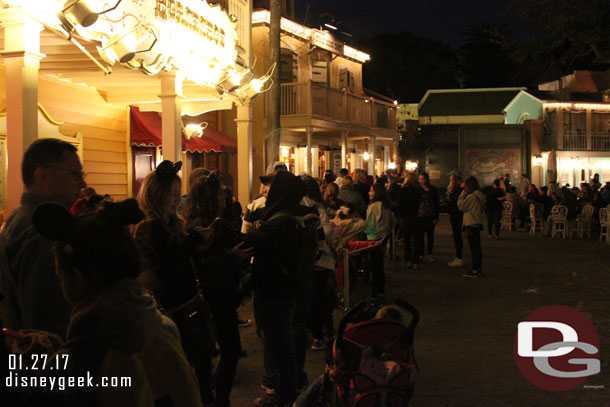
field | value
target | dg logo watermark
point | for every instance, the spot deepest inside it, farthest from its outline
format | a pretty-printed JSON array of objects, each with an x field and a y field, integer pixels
[{"x": 556, "y": 348}]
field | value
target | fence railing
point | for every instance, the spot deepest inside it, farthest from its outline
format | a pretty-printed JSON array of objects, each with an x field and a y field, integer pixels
[
  {"x": 315, "y": 100},
  {"x": 580, "y": 141}
]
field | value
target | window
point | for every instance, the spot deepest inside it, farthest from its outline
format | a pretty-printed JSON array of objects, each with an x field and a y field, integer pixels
[
  {"x": 346, "y": 80},
  {"x": 319, "y": 72},
  {"x": 289, "y": 71}
]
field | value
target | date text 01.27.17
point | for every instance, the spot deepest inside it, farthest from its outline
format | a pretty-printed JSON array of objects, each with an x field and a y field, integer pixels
[{"x": 36, "y": 361}]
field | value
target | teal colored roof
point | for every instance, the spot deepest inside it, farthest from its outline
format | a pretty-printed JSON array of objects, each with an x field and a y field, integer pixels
[{"x": 466, "y": 103}]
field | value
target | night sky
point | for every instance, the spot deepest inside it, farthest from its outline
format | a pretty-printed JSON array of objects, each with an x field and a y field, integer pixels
[{"x": 442, "y": 20}]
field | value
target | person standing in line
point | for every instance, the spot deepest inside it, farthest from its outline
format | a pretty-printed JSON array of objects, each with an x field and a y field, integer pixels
[
  {"x": 219, "y": 271},
  {"x": 455, "y": 216},
  {"x": 427, "y": 214},
  {"x": 348, "y": 194},
  {"x": 378, "y": 227},
  {"x": 493, "y": 208},
  {"x": 320, "y": 299},
  {"x": 276, "y": 243},
  {"x": 472, "y": 203},
  {"x": 362, "y": 186},
  {"x": 51, "y": 172},
  {"x": 167, "y": 254},
  {"x": 409, "y": 199},
  {"x": 115, "y": 328}
]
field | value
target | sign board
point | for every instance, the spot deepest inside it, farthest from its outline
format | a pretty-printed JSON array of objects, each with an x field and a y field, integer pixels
[
  {"x": 324, "y": 40},
  {"x": 188, "y": 35}
]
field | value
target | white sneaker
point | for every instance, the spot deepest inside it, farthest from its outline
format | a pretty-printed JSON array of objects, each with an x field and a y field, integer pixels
[{"x": 456, "y": 263}]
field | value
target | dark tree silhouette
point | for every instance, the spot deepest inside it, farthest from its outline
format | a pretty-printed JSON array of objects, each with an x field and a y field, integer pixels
[
  {"x": 487, "y": 56},
  {"x": 404, "y": 66}
]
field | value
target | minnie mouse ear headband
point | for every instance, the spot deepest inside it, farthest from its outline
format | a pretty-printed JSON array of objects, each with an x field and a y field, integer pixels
[
  {"x": 54, "y": 222},
  {"x": 168, "y": 168},
  {"x": 96, "y": 241}
]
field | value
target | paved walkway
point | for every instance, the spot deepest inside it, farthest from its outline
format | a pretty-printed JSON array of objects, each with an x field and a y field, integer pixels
[{"x": 464, "y": 343}]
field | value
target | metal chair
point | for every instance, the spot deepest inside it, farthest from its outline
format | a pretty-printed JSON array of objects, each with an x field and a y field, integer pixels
[
  {"x": 559, "y": 214},
  {"x": 506, "y": 222},
  {"x": 604, "y": 223},
  {"x": 584, "y": 220},
  {"x": 536, "y": 218}
]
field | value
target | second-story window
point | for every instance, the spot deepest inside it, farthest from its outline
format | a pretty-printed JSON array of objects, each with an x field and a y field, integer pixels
[
  {"x": 289, "y": 69},
  {"x": 346, "y": 80}
]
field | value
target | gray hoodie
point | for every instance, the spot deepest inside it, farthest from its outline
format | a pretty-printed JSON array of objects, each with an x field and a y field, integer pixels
[{"x": 473, "y": 207}]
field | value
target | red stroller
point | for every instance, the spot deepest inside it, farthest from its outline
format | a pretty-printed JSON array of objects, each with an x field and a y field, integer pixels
[{"x": 373, "y": 358}]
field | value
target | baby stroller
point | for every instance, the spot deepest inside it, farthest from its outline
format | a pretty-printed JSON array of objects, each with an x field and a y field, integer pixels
[{"x": 373, "y": 358}]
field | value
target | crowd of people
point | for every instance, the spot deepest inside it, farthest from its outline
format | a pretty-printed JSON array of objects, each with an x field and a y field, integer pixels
[{"x": 150, "y": 286}]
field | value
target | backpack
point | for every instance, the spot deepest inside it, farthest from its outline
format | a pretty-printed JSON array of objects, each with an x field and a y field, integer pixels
[
  {"x": 307, "y": 244},
  {"x": 426, "y": 207}
]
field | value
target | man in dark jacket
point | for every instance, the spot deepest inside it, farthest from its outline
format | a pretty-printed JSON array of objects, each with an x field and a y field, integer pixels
[
  {"x": 51, "y": 172},
  {"x": 493, "y": 207},
  {"x": 276, "y": 243},
  {"x": 409, "y": 199}
]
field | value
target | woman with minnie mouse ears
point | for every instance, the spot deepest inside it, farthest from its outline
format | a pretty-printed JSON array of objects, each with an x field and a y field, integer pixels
[
  {"x": 115, "y": 329},
  {"x": 168, "y": 273}
]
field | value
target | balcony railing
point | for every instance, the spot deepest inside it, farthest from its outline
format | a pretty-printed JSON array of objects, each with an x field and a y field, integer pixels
[
  {"x": 580, "y": 141},
  {"x": 319, "y": 101}
]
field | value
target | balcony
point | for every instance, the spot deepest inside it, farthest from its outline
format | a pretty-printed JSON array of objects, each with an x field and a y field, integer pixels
[
  {"x": 580, "y": 141},
  {"x": 314, "y": 101}
]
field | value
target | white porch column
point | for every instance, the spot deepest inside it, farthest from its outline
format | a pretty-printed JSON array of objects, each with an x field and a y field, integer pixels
[
  {"x": 171, "y": 96},
  {"x": 22, "y": 60},
  {"x": 244, "y": 154},
  {"x": 308, "y": 155},
  {"x": 344, "y": 135},
  {"x": 371, "y": 147}
]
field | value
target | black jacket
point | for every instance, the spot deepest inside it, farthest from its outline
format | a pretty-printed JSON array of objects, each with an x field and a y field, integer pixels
[
  {"x": 167, "y": 267},
  {"x": 493, "y": 195},
  {"x": 434, "y": 200},
  {"x": 452, "y": 198},
  {"x": 409, "y": 199}
]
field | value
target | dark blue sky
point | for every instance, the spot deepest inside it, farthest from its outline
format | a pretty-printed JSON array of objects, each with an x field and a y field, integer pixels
[{"x": 443, "y": 20}]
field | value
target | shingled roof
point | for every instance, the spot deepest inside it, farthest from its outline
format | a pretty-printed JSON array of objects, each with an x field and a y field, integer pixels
[{"x": 466, "y": 102}]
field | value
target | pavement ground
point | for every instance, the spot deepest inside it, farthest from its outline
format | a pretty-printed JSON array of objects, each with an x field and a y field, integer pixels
[{"x": 464, "y": 341}]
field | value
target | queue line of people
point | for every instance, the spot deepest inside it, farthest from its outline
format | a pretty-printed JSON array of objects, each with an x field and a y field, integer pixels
[
  {"x": 173, "y": 281},
  {"x": 164, "y": 272}
]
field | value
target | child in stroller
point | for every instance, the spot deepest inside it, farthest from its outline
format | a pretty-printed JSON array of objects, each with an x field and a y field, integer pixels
[{"x": 371, "y": 363}]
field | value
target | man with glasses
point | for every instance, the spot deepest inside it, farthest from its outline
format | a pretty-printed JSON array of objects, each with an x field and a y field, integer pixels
[{"x": 51, "y": 172}]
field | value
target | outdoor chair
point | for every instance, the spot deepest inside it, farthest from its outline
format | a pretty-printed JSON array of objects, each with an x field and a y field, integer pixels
[
  {"x": 584, "y": 220},
  {"x": 536, "y": 218},
  {"x": 506, "y": 222},
  {"x": 559, "y": 216},
  {"x": 604, "y": 225}
]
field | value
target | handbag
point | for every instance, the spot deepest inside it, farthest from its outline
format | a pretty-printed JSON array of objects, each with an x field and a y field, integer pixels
[{"x": 196, "y": 325}]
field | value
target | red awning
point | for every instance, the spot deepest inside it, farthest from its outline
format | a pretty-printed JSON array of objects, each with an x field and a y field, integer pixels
[{"x": 146, "y": 131}]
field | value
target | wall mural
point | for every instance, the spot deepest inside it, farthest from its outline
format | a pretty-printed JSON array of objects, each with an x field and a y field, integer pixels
[{"x": 487, "y": 164}]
